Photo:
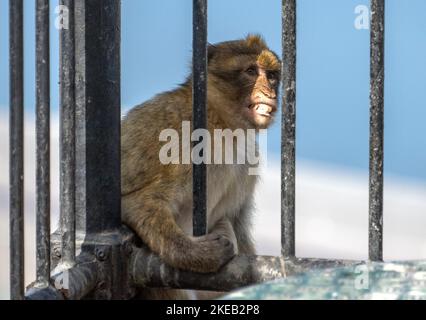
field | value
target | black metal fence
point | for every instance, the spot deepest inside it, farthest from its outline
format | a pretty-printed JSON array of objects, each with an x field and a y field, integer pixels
[{"x": 109, "y": 264}]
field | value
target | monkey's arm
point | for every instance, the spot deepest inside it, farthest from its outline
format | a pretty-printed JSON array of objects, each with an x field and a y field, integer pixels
[{"x": 151, "y": 217}]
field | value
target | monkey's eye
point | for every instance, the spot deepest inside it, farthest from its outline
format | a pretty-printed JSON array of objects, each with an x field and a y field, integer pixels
[
  {"x": 273, "y": 75},
  {"x": 251, "y": 71}
]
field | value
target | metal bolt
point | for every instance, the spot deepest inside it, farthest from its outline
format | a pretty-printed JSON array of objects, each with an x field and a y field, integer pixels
[
  {"x": 57, "y": 252},
  {"x": 101, "y": 255}
]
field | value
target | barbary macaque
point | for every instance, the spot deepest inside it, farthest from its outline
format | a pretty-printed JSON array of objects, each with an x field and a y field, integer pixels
[{"x": 242, "y": 89}]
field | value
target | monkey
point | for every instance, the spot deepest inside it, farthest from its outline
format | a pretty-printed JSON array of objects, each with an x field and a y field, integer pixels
[{"x": 242, "y": 88}]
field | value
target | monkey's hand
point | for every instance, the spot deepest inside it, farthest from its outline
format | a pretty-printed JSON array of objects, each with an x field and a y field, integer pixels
[
  {"x": 212, "y": 251},
  {"x": 207, "y": 253}
]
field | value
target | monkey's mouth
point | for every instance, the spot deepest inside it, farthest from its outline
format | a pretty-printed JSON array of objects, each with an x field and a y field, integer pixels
[{"x": 263, "y": 109}]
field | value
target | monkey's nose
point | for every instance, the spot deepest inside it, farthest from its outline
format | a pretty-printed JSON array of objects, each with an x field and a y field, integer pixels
[
  {"x": 268, "y": 93},
  {"x": 271, "y": 94}
]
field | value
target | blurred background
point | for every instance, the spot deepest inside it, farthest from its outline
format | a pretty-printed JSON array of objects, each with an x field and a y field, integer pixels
[{"x": 332, "y": 116}]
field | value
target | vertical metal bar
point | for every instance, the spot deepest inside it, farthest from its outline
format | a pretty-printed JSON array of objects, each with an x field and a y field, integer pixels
[
  {"x": 67, "y": 134},
  {"x": 199, "y": 117},
  {"x": 98, "y": 174},
  {"x": 376, "y": 129},
  {"x": 16, "y": 149},
  {"x": 43, "y": 143},
  {"x": 288, "y": 130}
]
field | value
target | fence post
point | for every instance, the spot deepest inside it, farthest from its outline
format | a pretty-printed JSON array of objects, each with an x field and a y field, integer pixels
[
  {"x": 199, "y": 98},
  {"x": 67, "y": 137},
  {"x": 98, "y": 121},
  {"x": 97, "y": 85},
  {"x": 43, "y": 142},
  {"x": 16, "y": 56},
  {"x": 377, "y": 76},
  {"x": 288, "y": 143}
]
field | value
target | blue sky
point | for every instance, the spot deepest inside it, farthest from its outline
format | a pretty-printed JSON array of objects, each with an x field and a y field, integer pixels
[{"x": 332, "y": 75}]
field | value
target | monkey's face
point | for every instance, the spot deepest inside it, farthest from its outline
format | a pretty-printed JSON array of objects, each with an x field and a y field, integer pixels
[
  {"x": 248, "y": 73},
  {"x": 259, "y": 103}
]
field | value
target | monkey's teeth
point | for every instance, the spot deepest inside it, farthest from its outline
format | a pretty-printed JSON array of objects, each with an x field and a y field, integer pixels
[{"x": 263, "y": 109}]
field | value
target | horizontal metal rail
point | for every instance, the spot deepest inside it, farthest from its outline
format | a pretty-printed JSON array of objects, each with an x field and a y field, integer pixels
[
  {"x": 70, "y": 284},
  {"x": 147, "y": 270}
]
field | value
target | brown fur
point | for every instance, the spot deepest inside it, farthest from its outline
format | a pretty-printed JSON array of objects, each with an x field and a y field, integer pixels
[{"x": 157, "y": 198}]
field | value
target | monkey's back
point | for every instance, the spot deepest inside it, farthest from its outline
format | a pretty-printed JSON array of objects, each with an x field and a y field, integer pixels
[{"x": 140, "y": 145}]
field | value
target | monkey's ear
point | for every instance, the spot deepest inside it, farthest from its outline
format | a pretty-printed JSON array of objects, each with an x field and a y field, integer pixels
[
  {"x": 211, "y": 51},
  {"x": 255, "y": 40}
]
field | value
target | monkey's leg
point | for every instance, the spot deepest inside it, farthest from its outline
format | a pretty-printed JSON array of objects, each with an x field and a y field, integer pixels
[
  {"x": 242, "y": 226},
  {"x": 151, "y": 217},
  {"x": 223, "y": 228},
  {"x": 239, "y": 230}
]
